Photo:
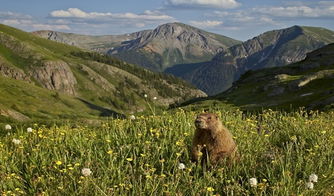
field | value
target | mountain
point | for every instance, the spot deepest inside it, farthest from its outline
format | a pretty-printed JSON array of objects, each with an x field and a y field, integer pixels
[
  {"x": 270, "y": 49},
  {"x": 44, "y": 71},
  {"x": 308, "y": 83},
  {"x": 101, "y": 44},
  {"x": 167, "y": 45}
]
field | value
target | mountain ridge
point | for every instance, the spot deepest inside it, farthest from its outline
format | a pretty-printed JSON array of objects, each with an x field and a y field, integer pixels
[
  {"x": 270, "y": 49},
  {"x": 100, "y": 81},
  {"x": 157, "y": 49}
]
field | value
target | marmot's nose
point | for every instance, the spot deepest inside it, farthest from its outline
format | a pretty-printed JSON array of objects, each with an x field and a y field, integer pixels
[{"x": 198, "y": 121}]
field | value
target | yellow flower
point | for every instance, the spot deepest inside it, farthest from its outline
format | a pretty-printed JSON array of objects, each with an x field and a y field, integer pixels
[
  {"x": 58, "y": 163},
  {"x": 129, "y": 159},
  {"x": 110, "y": 152},
  {"x": 210, "y": 189},
  {"x": 77, "y": 164},
  {"x": 179, "y": 143}
]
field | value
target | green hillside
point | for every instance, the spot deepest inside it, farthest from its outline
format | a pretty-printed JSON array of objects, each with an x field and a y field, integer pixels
[
  {"x": 308, "y": 83},
  {"x": 270, "y": 49},
  {"x": 21, "y": 101},
  {"x": 97, "y": 80}
]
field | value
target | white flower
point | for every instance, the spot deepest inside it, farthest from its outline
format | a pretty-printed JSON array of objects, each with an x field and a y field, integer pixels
[
  {"x": 132, "y": 117},
  {"x": 8, "y": 127},
  {"x": 29, "y": 129},
  {"x": 154, "y": 98},
  {"x": 16, "y": 141},
  {"x": 253, "y": 182},
  {"x": 145, "y": 95},
  {"x": 181, "y": 166},
  {"x": 86, "y": 172},
  {"x": 313, "y": 178},
  {"x": 310, "y": 185}
]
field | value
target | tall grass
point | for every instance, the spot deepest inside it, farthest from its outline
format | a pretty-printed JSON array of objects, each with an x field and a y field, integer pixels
[{"x": 142, "y": 157}]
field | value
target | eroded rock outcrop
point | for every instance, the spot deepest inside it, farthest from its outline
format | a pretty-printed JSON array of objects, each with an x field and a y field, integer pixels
[{"x": 56, "y": 75}]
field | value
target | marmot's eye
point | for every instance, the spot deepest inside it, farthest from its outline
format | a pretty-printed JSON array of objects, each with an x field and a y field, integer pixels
[{"x": 209, "y": 118}]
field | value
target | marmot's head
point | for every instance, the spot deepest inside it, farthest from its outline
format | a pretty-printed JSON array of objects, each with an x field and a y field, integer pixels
[{"x": 206, "y": 120}]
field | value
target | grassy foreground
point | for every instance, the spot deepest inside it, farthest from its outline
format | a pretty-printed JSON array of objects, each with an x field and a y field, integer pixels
[{"x": 143, "y": 156}]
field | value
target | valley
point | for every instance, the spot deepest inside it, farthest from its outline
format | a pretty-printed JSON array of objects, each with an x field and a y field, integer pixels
[{"x": 167, "y": 97}]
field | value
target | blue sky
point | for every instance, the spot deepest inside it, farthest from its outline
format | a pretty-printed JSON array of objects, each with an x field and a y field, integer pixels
[{"x": 239, "y": 19}]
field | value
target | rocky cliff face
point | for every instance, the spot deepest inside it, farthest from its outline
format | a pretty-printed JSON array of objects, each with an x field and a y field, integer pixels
[
  {"x": 13, "y": 72},
  {"x": 56, "y": 75},
  {"x": 271, "y": 49}
]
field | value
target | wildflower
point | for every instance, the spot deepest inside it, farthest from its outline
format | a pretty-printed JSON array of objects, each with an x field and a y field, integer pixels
[
  {"x": 16, "y": 141},
  {"x": 293, "y": 138},
  {"x": 110, "y": 152},
  {"x": 132, "y": 117},
  {"x": 59, "y": 163},
  {"x": 29, "y": 129},
  {"x": 181, "y": 166},
  {"x": 310, "y": 185},
  {"x": 145, "y": 95},
  {"x": 313, "y": 178},
  {"x": 253, "y": 182},
  {"x": 129, "y": 159},
  {"x": 86, "y": 172},
  {"x": 8, "y": 127},
  {"x": 210, "y": 189},
  {"x": 154, "y": 98}
]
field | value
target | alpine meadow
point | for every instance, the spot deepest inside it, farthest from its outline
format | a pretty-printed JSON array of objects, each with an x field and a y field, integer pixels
[{"x": 167, "y": 97}]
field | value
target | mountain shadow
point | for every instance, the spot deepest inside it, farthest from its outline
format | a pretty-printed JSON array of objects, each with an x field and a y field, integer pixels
[{"x": 104, "y": 112}]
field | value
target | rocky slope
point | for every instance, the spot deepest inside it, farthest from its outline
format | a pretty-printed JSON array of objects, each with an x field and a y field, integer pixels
[
  {"x": 101, "y": 82},
  {"x": 157, "y": 49},
  {"x": 171, "y": 44},
  {"x": 102, "y": 43},
  {"x": 270, "y": 49},
  {"x": 308, "y": 83}
]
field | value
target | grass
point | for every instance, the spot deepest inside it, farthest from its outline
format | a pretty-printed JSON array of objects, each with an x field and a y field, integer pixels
[
  {"x": 34, "y": 100},
  {"x": 142, "y": 156}
]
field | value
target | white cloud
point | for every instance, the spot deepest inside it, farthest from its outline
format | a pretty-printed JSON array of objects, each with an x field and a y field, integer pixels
[
  {"x": 79, "y": 14},
  {"x": 71, "y": 12},
  {"x": 50, "y": 27},
  {"x": 13, "y": 15},
  {"x": 318, "y": 11},
  {"x": 27, "y": 22},
  {"x": 225, "y": 4},
  {"x": 245, "y": 18},
  {"x": 206, "y": 24}
]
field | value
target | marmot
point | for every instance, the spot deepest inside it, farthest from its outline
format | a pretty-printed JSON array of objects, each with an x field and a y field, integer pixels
[{"x": 213, "y": 139}]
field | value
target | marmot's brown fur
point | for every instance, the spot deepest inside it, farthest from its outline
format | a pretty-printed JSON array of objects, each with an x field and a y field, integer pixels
[{"x": 213, "y": 139}]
